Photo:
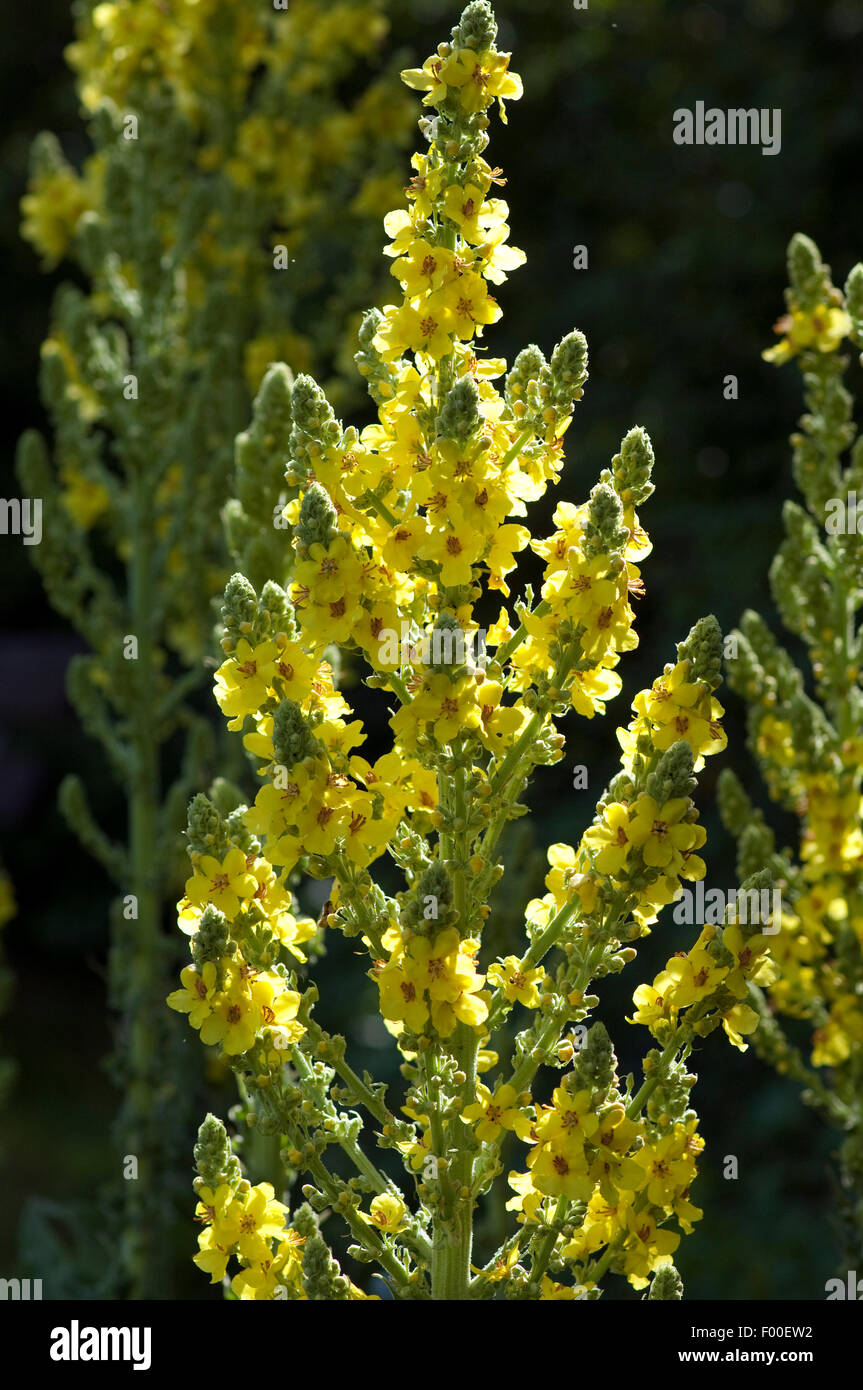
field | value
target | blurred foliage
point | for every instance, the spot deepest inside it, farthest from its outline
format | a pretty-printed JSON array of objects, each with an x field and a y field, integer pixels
[{"x": 223, "y": 138}]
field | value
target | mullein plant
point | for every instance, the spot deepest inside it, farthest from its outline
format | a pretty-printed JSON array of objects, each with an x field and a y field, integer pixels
[
  {"x": 806, "y": 732},
  {"x": 227, "y": 169},
  {"x": 389, "y": 540}
]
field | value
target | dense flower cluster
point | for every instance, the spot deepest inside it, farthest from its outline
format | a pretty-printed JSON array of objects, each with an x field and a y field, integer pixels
[
  {"x": 392, "y": 535},
  {"x": 277, "y": 1258}
]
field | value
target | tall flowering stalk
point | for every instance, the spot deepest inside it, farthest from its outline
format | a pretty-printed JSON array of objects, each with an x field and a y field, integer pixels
[
  {"x": 390, "y": 540},
  {"x": 809, "y": 746},
  {"x": 226, "y": 169}
]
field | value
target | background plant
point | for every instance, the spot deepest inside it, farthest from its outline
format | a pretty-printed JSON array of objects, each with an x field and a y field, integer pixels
[
  {"x": 806, "y": 731},
  {"x": 223, "y": 150}
]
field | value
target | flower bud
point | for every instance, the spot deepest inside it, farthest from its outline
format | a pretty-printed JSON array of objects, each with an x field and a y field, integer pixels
[
  {"x": 703, "y": 650},
  {"x": 666, "y": 1284},
  {"x": 477, "y": 28},
  {"x": 460, "y": 417},
  {"x": 317, "y": 522},
  {"x": 292, "y": 739}
]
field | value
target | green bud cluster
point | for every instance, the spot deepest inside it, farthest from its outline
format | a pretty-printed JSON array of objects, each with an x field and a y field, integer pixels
[
  {"x": 211, "y": 941},
  {"x": 524, "y": 377},
  {"x": 314, "y": 426},
  {"x": 666, "y": 1284},
  {"x": 809, "y": 277},
  {"x": 433, "y": 893},
  {"x": 214, "y": 1160},
  {"x": 205, "y": 828},
  {"x": 240, "y": 608},
  {"x": 378, "y": 374},
  {"x": 568, "y": 370},
  {"x": 762, "y": 669},
  {"x": 293, "y": 739},
  {"x": 631, "y": 469},
  {"x": 594, "y": 1067},
  {"x": 673, "y": 774},
  {"x": 261, "y": 456},
  {"x": 317, "y": 523},
  {"x": 604, "y": 532},
  {"x": 534, "y": 387},
  {"x": 443, "y": 648},
  {"x": 460, "y": 417},
  {"x": 671, "y": 1096},
  {"x": 477, "y": 28},
  {"x": 322, "y": 1277},
  {"x": 703, "y": 650}
]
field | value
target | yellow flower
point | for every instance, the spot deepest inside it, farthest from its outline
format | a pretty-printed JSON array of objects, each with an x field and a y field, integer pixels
[
  {"x": 823, "y": 330},
  {"x": 387, "y": 1212},
  {"x": 569, "y": 1117},
  {"x": 479, "y": 78},
  {"x": 516, "y": 983},
  {"x": 244, "y": 680},
  {"x": 260, "y": 1281},
  {"x": 262, "y": 1219},
  {"x": 400, "y": 997},
  {"x": 467, "y": 303},
  {"x": 687, "y": 979},
  {"x": 611, "y": 840},
  {"x": 493, "y": 1113},
  {"x": 245, "y": 1005},
  {"x": 448, "y": 707},
  {"x": 84, "y": 499},
  {"x": 651, "y": 1007},
  {"x": 197, "y": 993},
  {"x": 212, "y": 1257},
  {"x": 52, "y": 209},
  {"x": 502, "y": 1269},
  {"x": 560, "y": 1173},
  {"x": 659, "y": 834},
  {"x": 222, "y": 883},
  {"x": 423, "y": 330},
  {"x": 739, "y": 1020},
  {"x": 680, "y": 709},
  {"x": 455, "y": 554},
  {"x": 647, "y": 1247}
]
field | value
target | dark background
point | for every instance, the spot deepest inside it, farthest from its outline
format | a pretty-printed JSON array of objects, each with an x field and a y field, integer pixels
[{"x": 686, "y": 270}]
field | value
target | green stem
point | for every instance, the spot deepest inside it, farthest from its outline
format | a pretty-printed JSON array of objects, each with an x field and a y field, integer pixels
[
  {"x": 680, "y": 1036},
  {"x": 363, "y": 1234},
  {"x": 374, "y": 502},
  {"x": 141, "y": 985},
  {"x": 362, "y": 913},
  {"x": 453, "y": 1220},
  {"x": 398, "y": 687},
  {"x": 515, "y": 449},
  {"x": 543, "y": 1251}
]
